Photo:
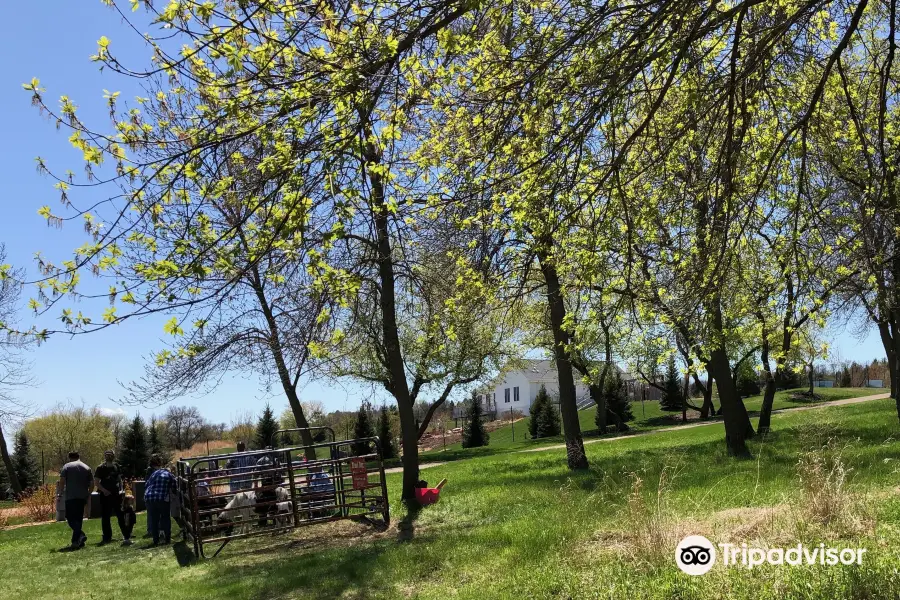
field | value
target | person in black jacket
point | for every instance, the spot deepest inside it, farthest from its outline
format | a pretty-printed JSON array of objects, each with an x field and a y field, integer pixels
[{"x": 108, "y": 481}]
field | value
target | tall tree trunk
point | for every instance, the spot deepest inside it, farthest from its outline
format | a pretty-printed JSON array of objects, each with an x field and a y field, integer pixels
[
  {"x": 888, "y": 343},
  {"x": 737, "y": 422},
  {"x": 812, "y": 380},
  {"x": 707, "y": 408},
  {"x": 576, "y": 458},
  {"x": 397, "y": 385},
  {"x": 765, "y": 413},
  {"x": 600, "y": 401},
  {"x": 4, "y": 451}
]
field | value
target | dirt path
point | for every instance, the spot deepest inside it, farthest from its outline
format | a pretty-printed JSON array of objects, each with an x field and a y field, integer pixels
[
  {"x": 717, "y": 421},
  {"x": 425, "y": 466}
]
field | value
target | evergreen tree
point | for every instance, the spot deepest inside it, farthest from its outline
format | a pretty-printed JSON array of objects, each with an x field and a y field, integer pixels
[
  {"x": 153, "y": 441},
  {"x": 4, "y": 484},
  {"x": 385, "y": 435},
  {"x": 24, "y": 463},
  {"x": 363, "y": 429},
  {"x": 474, "y": 433},
  {"x": 845, "y": 380},
  {"x": 747, "y": 380},
  {"x": 135, "y": 455},
  {"x": 549, "y": 421},
  {"x": 672, "y": 399},
  {"x": 265, "y": 429},
  {"x": 537, "y": 409},
  {"x": 618, "y": 404},
  {"x": 791, "y": 378}
]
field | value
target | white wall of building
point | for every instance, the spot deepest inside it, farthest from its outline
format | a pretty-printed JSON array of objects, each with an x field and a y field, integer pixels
[{"x": 528, "y": 390}]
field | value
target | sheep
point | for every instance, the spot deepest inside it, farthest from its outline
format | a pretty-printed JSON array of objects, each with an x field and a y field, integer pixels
[{"x": 242, "y": 503}]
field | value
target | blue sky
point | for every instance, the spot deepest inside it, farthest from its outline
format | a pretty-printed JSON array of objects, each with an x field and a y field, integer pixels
[{"x": 52, "y": 40}]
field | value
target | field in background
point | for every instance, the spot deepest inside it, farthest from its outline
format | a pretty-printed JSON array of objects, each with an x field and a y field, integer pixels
[
  {"x": 207, "y": 449},
  {"x": 520, "y": 525}
]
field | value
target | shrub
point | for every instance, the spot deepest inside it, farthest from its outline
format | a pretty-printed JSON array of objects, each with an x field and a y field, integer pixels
[
  {"x": 40, "y": 503},
  {"x": 4, "y": 520}
]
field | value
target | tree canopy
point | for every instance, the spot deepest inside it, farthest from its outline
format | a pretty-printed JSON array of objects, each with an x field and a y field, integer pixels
[{"x": 383, "y": 191}]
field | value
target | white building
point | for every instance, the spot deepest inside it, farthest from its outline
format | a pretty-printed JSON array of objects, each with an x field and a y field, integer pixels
[{"x": 515, "y": 389}]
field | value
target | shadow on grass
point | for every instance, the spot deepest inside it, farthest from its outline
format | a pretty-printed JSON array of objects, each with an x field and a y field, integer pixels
[
  {"x": 184, "y": 554},
  {"x": 407, "y": 524}
]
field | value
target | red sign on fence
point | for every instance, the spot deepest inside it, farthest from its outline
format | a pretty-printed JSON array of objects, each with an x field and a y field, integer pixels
[{"x": 359, "y": 473}]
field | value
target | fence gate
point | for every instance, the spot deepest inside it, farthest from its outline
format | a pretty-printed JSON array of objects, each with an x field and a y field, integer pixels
[{"x": 247, "y": 494}]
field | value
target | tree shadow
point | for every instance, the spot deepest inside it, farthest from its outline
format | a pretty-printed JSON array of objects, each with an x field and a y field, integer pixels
[{"x": 407, "y": 525}]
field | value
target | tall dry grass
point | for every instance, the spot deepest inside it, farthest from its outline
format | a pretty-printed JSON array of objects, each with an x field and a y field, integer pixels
[
  {"x": 648, "y": 519},
  {"x": 826, "y": 498},
  {"x": 39, "y": 503}
]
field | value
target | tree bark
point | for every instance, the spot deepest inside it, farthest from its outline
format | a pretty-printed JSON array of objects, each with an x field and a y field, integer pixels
[
  {"x": 812, "y": 380},
  {"x": 576, "y": 457},
  {"x": 4, "y": 451},
  {"x": 393, "y": 355},
  {"x": 765, "y": 413},
  {"x": 600, "y": 401},
  {"x": 888, "y": 343},
  {"x": 737, "y": 422}
]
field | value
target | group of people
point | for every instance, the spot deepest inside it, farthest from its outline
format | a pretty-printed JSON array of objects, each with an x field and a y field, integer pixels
[{"x": 77, "y": 481}]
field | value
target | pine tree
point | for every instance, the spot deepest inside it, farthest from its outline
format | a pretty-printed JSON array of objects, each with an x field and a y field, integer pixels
[
  {"x": 536, "y": 410},
  {"x": 135, "y": 455},
  {"x": 4, "y": 483},
  {"x": 618, "y": 404},
  {"x": 265, "y": 429},
  {"x": 153, "y": 441},
  {"x": 385, "y": 435},
  {"x": 549, "y": 424},
  {"x": 363, "y": 429},
  {"x": 672, "y": 399},
  {"x": 474, "y": 433},
  {"x": 24, "y": 463}
]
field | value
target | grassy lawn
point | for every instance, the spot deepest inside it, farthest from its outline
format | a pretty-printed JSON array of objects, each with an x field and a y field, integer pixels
[
  {"x": 517, "y": 526},
  {"x": 647, "y": 416}
]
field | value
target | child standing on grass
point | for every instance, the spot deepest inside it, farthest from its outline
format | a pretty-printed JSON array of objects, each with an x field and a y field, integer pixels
[{"x": 129, "y": 518}]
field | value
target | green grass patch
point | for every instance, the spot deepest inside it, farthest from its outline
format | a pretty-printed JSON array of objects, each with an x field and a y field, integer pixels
[
  {"x": 648, "y": 416},
  {"x": 521, "y": 525}
]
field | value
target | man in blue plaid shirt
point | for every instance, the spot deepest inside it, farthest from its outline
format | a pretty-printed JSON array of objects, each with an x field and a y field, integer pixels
[{"x": 157, "y": 495}]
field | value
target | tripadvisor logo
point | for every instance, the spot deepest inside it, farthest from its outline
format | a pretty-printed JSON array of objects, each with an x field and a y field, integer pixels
[{"x": 695, "y": 555}]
